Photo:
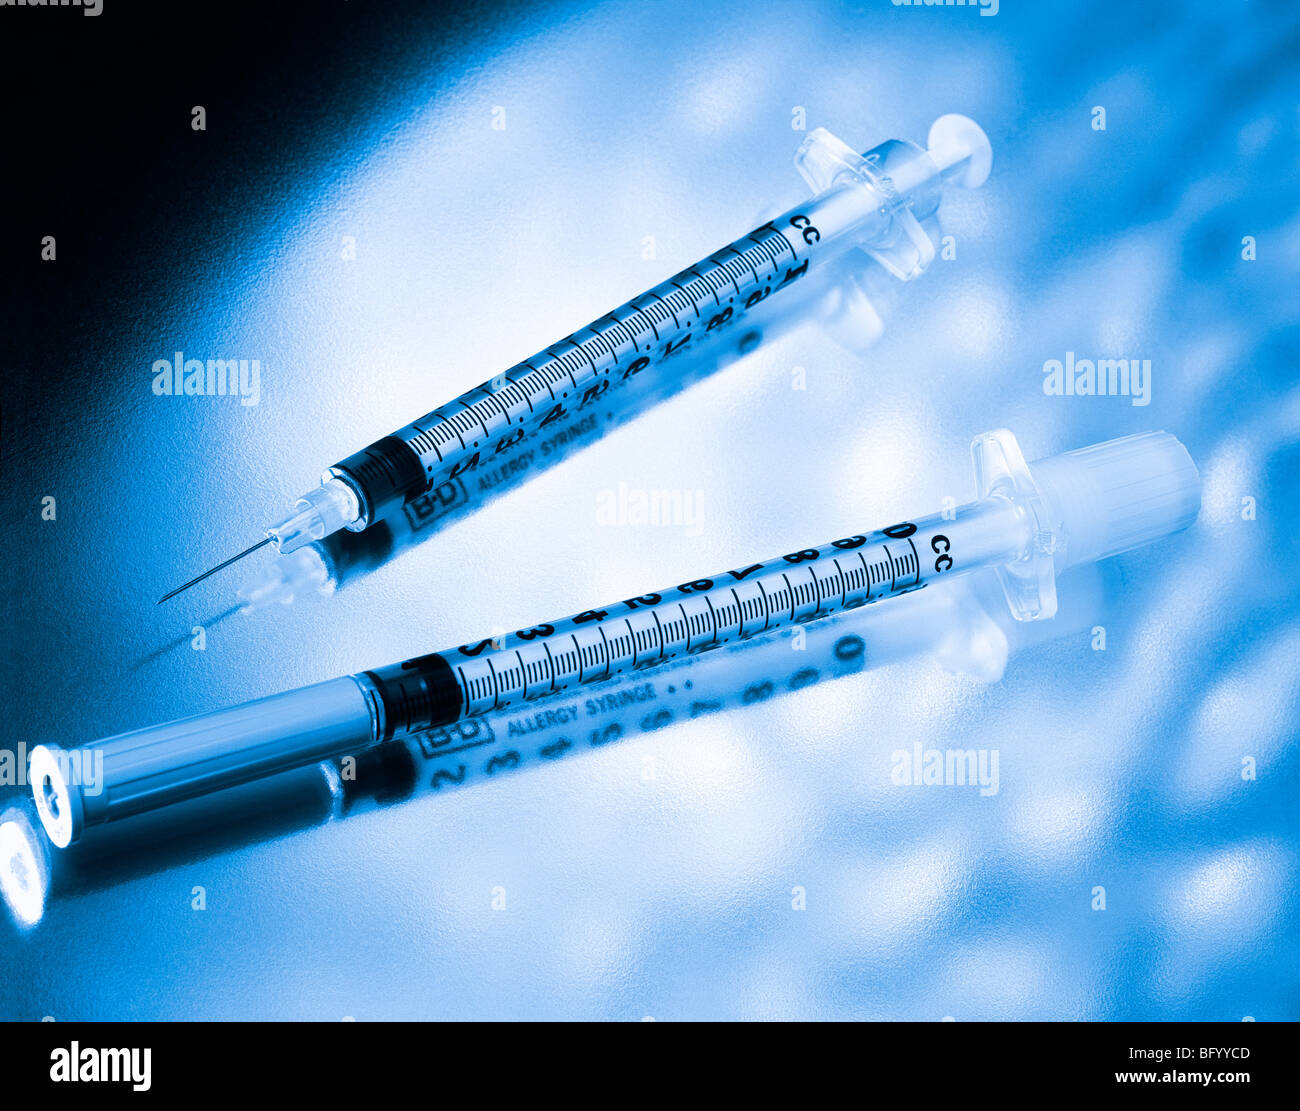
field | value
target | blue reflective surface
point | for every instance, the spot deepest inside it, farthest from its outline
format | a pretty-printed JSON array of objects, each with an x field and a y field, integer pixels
[{"x": 759, "y": 862}]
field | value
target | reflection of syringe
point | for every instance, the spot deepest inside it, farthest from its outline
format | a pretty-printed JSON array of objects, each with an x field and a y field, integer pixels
[
  {"x": 1030, "y": 522},
  {"x": 956, "y": 624},
  {"x": 875, "y": 201},
  {"x": 849, "y": 299},
  {"x": 966, "y": 626},
  {"x": 321, "y": 567}
]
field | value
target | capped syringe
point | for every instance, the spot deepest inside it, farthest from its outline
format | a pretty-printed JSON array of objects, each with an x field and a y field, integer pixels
[
  {"x": 1030, "y": 521},
  {"x": 875, "y": 201}
]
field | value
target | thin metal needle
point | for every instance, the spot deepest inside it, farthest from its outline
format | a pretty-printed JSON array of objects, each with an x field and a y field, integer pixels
[{"x": 218, "y": 567}]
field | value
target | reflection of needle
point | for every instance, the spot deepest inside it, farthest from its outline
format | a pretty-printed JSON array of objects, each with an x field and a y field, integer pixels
[{"x": 214, "y": 570}]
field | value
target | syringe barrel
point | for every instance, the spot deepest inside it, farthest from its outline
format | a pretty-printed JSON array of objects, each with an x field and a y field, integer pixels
[
  {"x": 693, "y": 617},
  {"x": 483, "y": 427},
  {"x": 165, "y": 764},
  {"x": 873, "y": 200}
]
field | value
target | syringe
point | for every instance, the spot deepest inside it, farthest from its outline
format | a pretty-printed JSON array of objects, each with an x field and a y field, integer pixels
[
  {"x": 847, "y": 299},
  {"x": 963, "y": 626},
  {"x": 1029, "y": 521},
  {"x": 875, "y": 201}
]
